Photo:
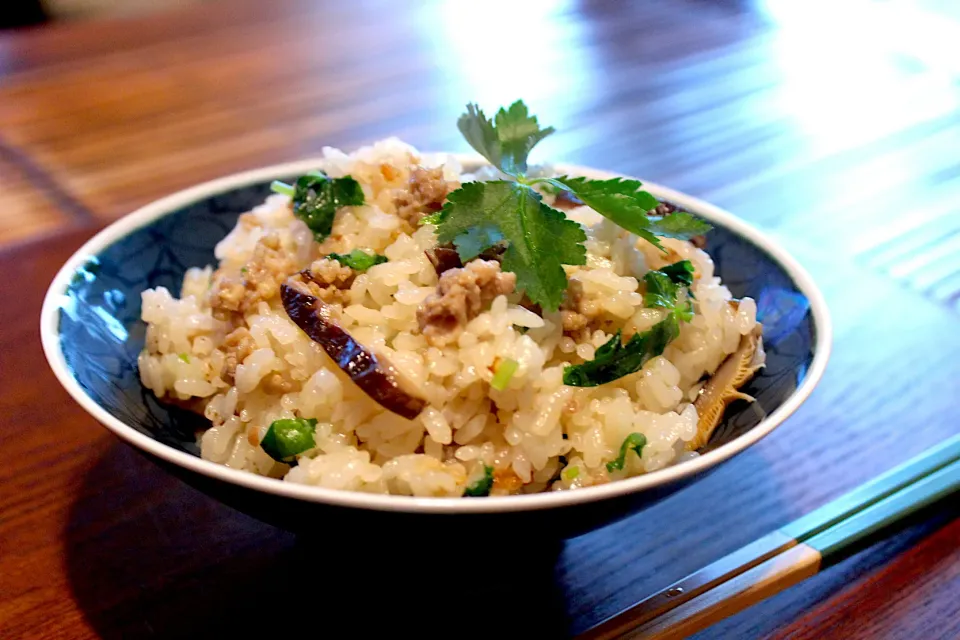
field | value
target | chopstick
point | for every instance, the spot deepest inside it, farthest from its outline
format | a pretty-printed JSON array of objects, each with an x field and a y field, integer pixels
[{"x": 790, "y": 554}]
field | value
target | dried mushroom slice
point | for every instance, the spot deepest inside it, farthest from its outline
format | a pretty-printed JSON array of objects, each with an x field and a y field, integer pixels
[
  {"x": 723, "y": 387},
  {"x": 375, "y": 377}
]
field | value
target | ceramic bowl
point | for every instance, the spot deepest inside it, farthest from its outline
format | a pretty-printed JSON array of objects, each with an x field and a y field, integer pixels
[{"x": 92, "y": 334}]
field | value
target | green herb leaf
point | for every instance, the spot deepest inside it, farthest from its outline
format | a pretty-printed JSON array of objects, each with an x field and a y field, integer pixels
[
  {"x": 634, "y": 441},
  {"x": 433, "y": 218},
  {"x": 680, "y": 272},
  {"x": 519, "y": 133},
  {"x": 539, "y": 239},
  {"x": 680, "y": 225},
  {"x": 664, "y": 285},
  {"x": 503, "y": 374},
  {"x": 316, "y": 199},
  {"x": 358, "y": 260},
  {"x": 482, "y": 486},
  {"x": 625, "y": 203},
  {"x": 505, "y": 141},
  {"x": 480, "y": 133},
  {"x": 184, "y": 358},
  {"x": 614, "y": 359},
  {"x": 288, "y": 437}
]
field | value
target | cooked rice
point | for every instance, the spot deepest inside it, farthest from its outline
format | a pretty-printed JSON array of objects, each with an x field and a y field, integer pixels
[{"x": 528, "y": 433}]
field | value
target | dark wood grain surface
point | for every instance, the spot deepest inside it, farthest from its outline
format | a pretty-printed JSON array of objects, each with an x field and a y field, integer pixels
[{"x": 850, "y": 155}]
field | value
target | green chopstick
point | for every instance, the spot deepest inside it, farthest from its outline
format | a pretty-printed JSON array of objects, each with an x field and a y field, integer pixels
[
  {"x": 845, "y": 538},
  {"x": 875, "y": 490},
  {"x": 794, "y": 552}
]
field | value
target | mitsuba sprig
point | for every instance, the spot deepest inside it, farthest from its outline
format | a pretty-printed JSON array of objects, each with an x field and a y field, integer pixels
[{"x": 537, "y": 238}]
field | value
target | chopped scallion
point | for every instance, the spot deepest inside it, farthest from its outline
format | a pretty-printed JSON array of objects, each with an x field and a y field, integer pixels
[
  {"x": 288, "y": 437},
  {"x": 634, "y": 441},
  {"x": 281, "y": 187},
  {"x": 482, "y": 486},
  {"x": 503, "y": 373}
]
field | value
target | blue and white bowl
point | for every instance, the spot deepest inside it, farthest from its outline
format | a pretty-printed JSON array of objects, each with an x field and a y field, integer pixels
[{"x": 92, "y": 333}]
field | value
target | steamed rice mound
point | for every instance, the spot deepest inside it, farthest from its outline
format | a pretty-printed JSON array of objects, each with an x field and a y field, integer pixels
[{"x": 247, "y": 364}]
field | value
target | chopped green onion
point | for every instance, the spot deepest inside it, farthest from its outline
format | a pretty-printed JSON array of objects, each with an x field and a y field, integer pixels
[
  {"x": 482, "y": 486},
  {"x": 635, "y": 441},
  {"x": 184, "y": 358},
  {"x": 503, "y": 373},
  {"x": 281, "y": 187},
  {"x": 243, "y": 269},
  {"x": 571, "y": 473},
  {"x": 288, "y": 437}
]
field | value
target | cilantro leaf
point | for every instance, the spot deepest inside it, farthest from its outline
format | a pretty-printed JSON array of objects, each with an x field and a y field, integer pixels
[
  {"x": 482, "y": 486},
  {"x": 505, "y": 141},
  {"x": 288, "y": 437},
  {"x": 634, "y": 441},
  {"x": 622, "y": 201},
  {"x": 539, "y": 239},
  {"x": 358, "y": 260},
  {"x": 614, "y": 359},
  {"x": 316, "y": 199}
]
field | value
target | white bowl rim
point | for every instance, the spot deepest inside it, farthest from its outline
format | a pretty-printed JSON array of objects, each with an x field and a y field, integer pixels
[{"x": 49, "y": 325}]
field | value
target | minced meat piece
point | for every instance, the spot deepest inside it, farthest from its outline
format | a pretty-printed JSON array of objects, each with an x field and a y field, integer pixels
[
  {"x": 236, "y": 347},
  {"x": 576, "y": 313},
  {"x": 329, "y": 281},
  {"x": 232, "y": 294},
  {"x": 425, "y": 194},
  {"x": 461, "y": 295}
]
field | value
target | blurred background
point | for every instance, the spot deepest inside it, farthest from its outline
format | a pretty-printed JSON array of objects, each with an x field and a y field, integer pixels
[{"x": 19, "y": 13}]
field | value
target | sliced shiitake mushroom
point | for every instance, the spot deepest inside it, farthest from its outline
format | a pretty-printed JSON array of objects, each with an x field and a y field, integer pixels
[
  {"x": 566, "y": 201},
  {"x": 443, "y": 258},
  {"x": 723, "y": 387},
  {"x": 375, "y": 377}
]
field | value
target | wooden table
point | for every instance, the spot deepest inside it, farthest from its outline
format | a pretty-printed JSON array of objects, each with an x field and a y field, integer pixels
[{"x": 850, "y": 155}]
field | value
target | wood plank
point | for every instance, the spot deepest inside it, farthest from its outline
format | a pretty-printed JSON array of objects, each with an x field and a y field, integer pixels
[
  {"x": 25, "y": 209},
  {"x": 848, "y": 158}
]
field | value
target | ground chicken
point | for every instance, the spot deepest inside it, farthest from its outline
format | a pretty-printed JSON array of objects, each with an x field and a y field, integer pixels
[
  {"x": 461, "y": 295},
  {"x": 232, "y": 294},
  {"x": 577, "y": 314},
  {"x": 424, "y": 195},
  {"x": 329, "y": 281},
  {"x": 236, "y": 346},
  {"x": 276, "y": 383}
]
